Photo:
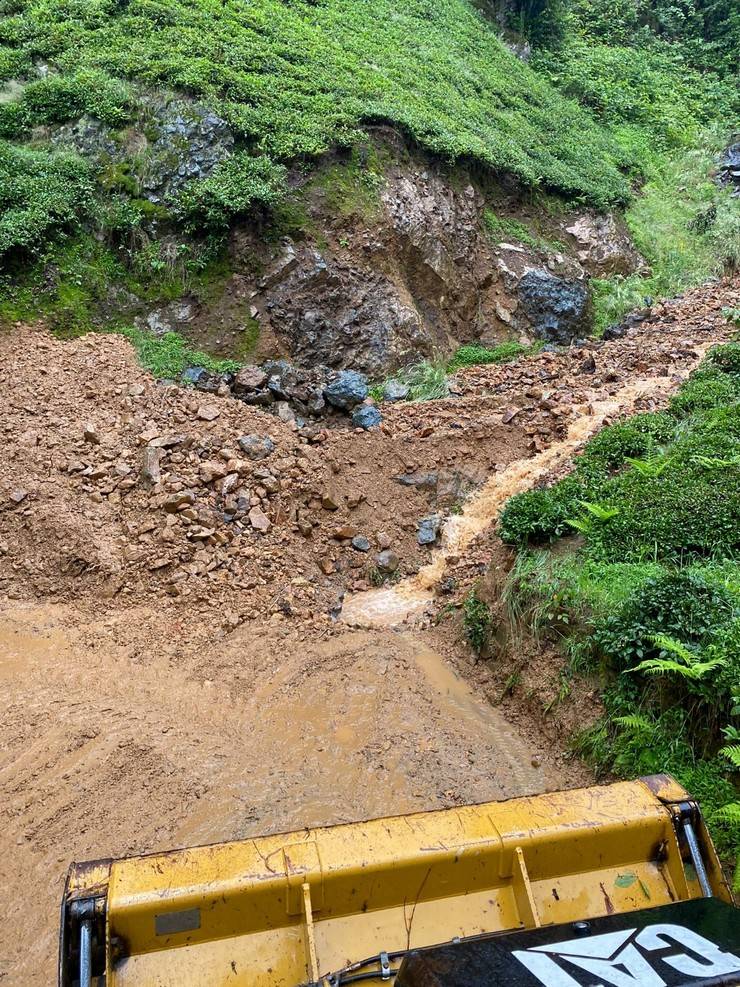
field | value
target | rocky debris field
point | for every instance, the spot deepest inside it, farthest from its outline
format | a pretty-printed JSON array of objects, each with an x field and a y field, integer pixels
[
  {"x": 118, "y": 487},
  {"x": 173, "y": 567}
]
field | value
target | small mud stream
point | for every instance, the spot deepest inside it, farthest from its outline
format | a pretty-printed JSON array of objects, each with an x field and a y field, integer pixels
[{"x": 391, "y": 606}]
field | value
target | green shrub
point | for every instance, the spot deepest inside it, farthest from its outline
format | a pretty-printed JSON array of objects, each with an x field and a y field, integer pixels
[
  {"x": 58, "y": 98},
  {"x": 236, "y": 187},
  {"x": 296, "y": 79},
  {"x": 638, "y": 436},
  {"x": 727, "y": 358},
  {"x": 40, "y": 194},
  {"x": 681, "y": 605},
  {"x": 539, "y": 515},
  {"x": 705, "y": 390},
  {"x": 477, "y": 621}
]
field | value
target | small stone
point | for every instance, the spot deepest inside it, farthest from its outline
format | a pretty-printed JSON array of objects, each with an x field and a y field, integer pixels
[
  {"x": 535, "y": 762},
  {"x": 208, "y": 412},
  {"x": 387, "y": 560},
  {"x": 383, "y": 539},
  {"x": 259, "y": 520},
  {"x": 428, "y": 530},
  {"x": 327, "y": 566},
  {"x": 366, "y": 416},
  {"x": 329, "y": 499},
  {"x": 150, "y": 472},
  {"x": 256, "y": 446},
  {"x": 200, "y": 533},
  {"x": 360, "y": 543},
  {"x": 159, "y": 563},
  {"x": 18, "y": 495},
  {"x": 178, "y": 501},
  {"x": 344, "y": 532},
  {"x": 91, "y": 435}
]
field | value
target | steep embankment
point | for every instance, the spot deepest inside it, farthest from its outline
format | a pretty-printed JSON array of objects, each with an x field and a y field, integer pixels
[{"x": 335, "y": 182}]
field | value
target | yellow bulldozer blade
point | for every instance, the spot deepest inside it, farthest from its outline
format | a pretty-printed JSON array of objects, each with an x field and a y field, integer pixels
[{"x": 358, "y": 902}]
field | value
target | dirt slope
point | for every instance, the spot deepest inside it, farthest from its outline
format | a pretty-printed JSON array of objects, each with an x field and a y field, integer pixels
[{"x": 211, "y": 696}]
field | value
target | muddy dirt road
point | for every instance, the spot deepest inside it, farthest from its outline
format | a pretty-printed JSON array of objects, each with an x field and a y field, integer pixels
[
  {"x": 110, "y": 750},
  {"x": 163, "y": 686}
]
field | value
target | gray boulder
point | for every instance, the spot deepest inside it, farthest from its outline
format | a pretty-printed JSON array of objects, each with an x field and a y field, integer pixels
[
  {"x": 256, "y": 446},
  {"x": 394, "y": 390},
  {"x": 558, "y": 310},
  {"x": 428, "y": 530},
  {"x": 366, "y": 416},
  {"x": 348, "y": 388}
]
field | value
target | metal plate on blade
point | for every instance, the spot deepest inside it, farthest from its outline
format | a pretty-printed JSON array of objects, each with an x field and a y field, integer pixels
[{"x": 689, "y": 944}]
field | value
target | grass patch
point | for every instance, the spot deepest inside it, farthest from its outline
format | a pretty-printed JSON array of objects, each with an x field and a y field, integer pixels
[
  {"x": 506, "y": 228},
  {"x": 473, "y": 354},
  {"x": 426, "y": 381},
  {"x": 169, "y": 355},
  {"x": 686, "y": 227}
]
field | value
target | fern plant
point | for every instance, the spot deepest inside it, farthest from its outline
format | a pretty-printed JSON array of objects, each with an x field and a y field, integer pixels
[
  {"x": 687, "y": 664},
  {"x": 730, "y": 814},
  {"x": 595, "y": 512},
  {"x": 648, "y": 467}
]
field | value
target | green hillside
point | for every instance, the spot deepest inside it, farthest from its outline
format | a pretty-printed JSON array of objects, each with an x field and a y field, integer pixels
[
  {"x": 295, "y": 78},
  {"x": 603, "y": 104}
]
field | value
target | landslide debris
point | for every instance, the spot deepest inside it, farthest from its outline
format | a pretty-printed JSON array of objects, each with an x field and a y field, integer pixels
[{"x": 119, "y": 487}]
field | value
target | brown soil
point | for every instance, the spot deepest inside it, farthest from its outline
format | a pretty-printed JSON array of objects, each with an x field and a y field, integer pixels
[{"x": 171, "y": 677}]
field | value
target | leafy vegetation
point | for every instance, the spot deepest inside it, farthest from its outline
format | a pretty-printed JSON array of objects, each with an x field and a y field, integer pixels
[
  {"x": 649, "y": 598},
  {"x": 169, "y": 355},
  {"x": 296, "y": 79},
  {"x": 477, "y": 621},
  {"x": 686, "y": 227},
  {"x": 40, "y": 194},
  {"x": 473, "y": 354}
]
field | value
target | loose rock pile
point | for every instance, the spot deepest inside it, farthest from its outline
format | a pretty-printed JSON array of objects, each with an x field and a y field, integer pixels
[{"x": 294, "y": 394}]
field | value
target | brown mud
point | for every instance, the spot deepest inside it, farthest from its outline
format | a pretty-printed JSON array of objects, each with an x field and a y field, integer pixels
[{"x": 168, "y": 681}]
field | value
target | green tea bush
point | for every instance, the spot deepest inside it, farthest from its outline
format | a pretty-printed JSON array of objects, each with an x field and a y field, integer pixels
[
  {"x": 727, "y": 358},
  {"x": 58, "y": 98},
  {"x": 296, "y": 79},
  {"x": 40, "y": 194},
  {"x": 236, "y": 186},
  {"x": 683, "y": 605},
  {"x": 707, "y": 389},
  {"x": 636, "y": 437},
  {"x": 540, "y": 515}
]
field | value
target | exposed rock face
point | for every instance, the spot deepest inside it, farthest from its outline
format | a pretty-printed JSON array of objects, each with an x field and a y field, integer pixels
[
  {"x": 329, "y": 310},
  {"x": 184, "y": 140},
  {"x": 405, "y": 272},
  {"x": 603, "y": 245},
  {"x": 559, "y": 310}
]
